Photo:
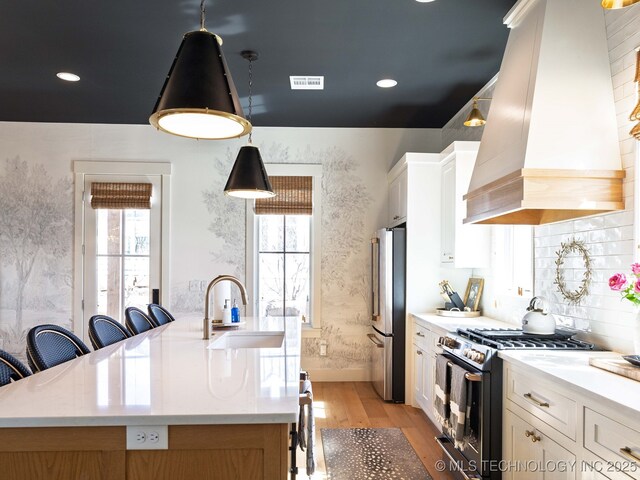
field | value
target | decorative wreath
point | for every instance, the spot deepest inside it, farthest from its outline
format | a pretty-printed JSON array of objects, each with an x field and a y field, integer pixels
[{"x": 574, "y": 246}]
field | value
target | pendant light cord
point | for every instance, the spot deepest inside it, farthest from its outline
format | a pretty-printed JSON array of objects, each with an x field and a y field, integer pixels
[
  {"x": 202, "y": 14},
  {"x": 250, "y": 100}
]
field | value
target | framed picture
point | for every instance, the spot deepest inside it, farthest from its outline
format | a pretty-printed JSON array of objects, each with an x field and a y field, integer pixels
[{"x": 473, "y": 293}]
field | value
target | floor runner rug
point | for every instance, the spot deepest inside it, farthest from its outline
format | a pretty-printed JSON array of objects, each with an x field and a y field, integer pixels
[{"x": 370, "y": 454}]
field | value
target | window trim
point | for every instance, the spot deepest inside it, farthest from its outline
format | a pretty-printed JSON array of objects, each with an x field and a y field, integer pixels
[
  {"x": 81, "y": 168},
  {"x": 291, "y": 169}
]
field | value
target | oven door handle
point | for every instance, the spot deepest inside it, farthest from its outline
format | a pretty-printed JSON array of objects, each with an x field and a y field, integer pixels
[
  {"x": 472, "y": 377},
  {"x": 453, "y": 461}
]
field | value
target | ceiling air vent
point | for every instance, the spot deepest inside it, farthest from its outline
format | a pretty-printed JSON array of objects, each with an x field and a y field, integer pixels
[{"x": 299, "y": 82}]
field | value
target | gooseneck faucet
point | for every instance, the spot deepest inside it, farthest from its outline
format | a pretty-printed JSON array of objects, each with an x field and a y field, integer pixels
[{"x": 206, "y": 326}]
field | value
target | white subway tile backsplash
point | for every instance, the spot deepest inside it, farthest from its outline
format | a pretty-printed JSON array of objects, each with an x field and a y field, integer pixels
[
  {"x": 541, "y": 230},
  {"x": 618, "y": 219},
  {"x": 628, "y": 147},
  {"x": 617, "y": 66},
  {"x": 597, "y": 248},
  {"x": 560, "y": 228},
  {"x": 613, "y": 261},
  {"x": 588, "y": 223},
  {"x": 619, "y": 248}
]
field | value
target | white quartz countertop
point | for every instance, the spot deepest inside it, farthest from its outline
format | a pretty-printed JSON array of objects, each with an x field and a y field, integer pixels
[
  {"x": 166, "y": 376},
  {"x": 571, "y": 369},
  {"x": 451, "y": 324}
]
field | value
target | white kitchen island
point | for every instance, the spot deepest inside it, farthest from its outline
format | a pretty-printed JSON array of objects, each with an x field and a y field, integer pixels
[{"x": 221, "y": 412}]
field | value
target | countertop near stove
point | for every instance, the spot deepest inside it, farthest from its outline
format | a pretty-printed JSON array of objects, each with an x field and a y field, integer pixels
[
  {"x": 443, "y": 325},
  {"x": 571, "y": 369}
]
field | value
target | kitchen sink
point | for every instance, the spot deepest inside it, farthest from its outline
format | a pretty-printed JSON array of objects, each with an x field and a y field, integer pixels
[{"x": 244, "y": 339}]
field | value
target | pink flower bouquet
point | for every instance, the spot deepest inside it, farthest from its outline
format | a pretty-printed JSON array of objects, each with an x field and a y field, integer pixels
[{"x": 629, "y": 287}]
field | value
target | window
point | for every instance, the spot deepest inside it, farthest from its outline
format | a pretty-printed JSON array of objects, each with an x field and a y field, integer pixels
[
  {"x": 513, "y": 259},
  {"x": 283, "y": 257},
  {"x": 284, "y": 274}
]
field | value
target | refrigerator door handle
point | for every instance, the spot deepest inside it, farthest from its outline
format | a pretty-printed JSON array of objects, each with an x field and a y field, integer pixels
[
  {"x": 375, "y": 279},
  {"x": 375, "y": 340}
]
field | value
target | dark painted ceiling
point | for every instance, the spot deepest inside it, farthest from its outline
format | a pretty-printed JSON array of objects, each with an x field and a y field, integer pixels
[{"x": 441, "y": 53}]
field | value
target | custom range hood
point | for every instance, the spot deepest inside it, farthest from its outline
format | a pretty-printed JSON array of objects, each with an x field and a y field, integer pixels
[{"x": 549, "y": 151}]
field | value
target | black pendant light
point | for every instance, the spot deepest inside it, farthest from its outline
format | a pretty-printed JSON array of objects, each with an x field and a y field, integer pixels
[
  {"x": 248, "y": 177},
  {"x": 199, "y": 99}
]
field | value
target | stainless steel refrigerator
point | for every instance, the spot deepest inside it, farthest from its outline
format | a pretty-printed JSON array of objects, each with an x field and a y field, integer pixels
[{"x": 388, "y": 265}]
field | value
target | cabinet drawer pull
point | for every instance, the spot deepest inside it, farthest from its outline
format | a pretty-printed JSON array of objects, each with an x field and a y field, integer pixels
[
  {"x": 532, "y": 434},
  {"x": 529, "y": 396},
  {"x": 419, "y": 352},
  {"x": 627, "y": 452},
  {"x": 396, "y": 217},
  {"x": 450, "y": 257},
  {"x": 420, "y": 334}
]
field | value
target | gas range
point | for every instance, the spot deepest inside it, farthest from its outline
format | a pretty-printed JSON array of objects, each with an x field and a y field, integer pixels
[
  {"x": 480, "y": 345},
  {"x": 474, "y": 351}
]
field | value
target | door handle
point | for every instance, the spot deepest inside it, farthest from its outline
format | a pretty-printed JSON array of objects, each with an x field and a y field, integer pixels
[
  {"x": 375, "y": 340},
  {"x": 531, "y": 433},
  {"x": 452, "y": 461},
  {"x": 529, "y": 396},
  {"x": 472, "y": 377},
  {"x": 627, "y": 452}
]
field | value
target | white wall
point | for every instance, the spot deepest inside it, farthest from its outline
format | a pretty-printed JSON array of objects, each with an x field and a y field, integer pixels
[{"x": 208, "y": 228}]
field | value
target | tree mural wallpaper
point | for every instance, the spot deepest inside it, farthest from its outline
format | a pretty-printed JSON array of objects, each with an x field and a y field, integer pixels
[
  {"x": 35, "y": 241},
  {"x": 345, "y": 247}
]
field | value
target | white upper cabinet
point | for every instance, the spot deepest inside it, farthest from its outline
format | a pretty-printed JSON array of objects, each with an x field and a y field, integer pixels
[
  {"x": 461, "y": 245},
  {"x": 398, "y": 199}
]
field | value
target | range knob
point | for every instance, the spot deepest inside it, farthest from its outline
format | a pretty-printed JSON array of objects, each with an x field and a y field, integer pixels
[
  {"x": 448, "y": 342},
  {"x": 474, "y": 355}
]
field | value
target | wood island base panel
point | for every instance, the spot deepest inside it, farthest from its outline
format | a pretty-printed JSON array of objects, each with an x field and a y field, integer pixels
[{"x": 202, "y": 452}]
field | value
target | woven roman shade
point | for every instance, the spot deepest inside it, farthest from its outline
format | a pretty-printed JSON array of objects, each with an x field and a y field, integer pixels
[
  {"x": 120, "y": 195},
  {"x": 294, "y": 196},
  {"x": 635, "y": 113}
]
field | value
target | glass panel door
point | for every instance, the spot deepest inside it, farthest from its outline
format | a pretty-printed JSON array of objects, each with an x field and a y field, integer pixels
[{"x": 122, "y": 253}]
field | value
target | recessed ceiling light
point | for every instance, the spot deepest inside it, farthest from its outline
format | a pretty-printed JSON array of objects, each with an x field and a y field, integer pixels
[
  {"x": 424, "y": 1},
  {"x": 68, "y": 77},
  {"x": 386, "y": 83}
]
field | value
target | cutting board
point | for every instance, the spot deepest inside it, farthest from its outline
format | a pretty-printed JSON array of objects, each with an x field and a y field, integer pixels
[{"x": 617, "y": 365}]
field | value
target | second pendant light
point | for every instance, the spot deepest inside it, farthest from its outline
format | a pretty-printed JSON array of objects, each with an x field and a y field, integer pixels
[{"x": 248, "y": 177}]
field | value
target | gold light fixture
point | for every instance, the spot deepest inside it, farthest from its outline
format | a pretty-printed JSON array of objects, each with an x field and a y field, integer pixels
[
  {"x": 198, "y": 98},
  {"x": 615, "y": 4},
  {"x": 475, "y": 118}
]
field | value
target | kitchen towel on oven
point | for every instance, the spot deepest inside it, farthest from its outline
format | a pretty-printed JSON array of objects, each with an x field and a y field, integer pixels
[
  {"x": 458, "y": 404},
  {"x": 442, "y": 389}
]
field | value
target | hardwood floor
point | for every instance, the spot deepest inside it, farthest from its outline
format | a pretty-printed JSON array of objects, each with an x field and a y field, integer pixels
[{"x": 356, "y": 404}]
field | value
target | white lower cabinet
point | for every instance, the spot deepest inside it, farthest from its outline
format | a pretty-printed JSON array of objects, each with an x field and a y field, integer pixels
[
  {"x": 425, "y": 347},
  {"x": 616, "y": 446},
  {"x": 530, "y": 454},
  {"x": 420, "y": 380},
  {"x": 564, "y": 433}
]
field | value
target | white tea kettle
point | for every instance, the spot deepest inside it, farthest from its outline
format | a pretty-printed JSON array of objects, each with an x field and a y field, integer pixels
[{"x": 536, "y": 320}]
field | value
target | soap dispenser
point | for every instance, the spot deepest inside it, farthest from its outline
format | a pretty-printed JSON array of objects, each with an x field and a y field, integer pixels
[
  {"x": 235, "y": 312},
  {"x": 226, "y": 312}
]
